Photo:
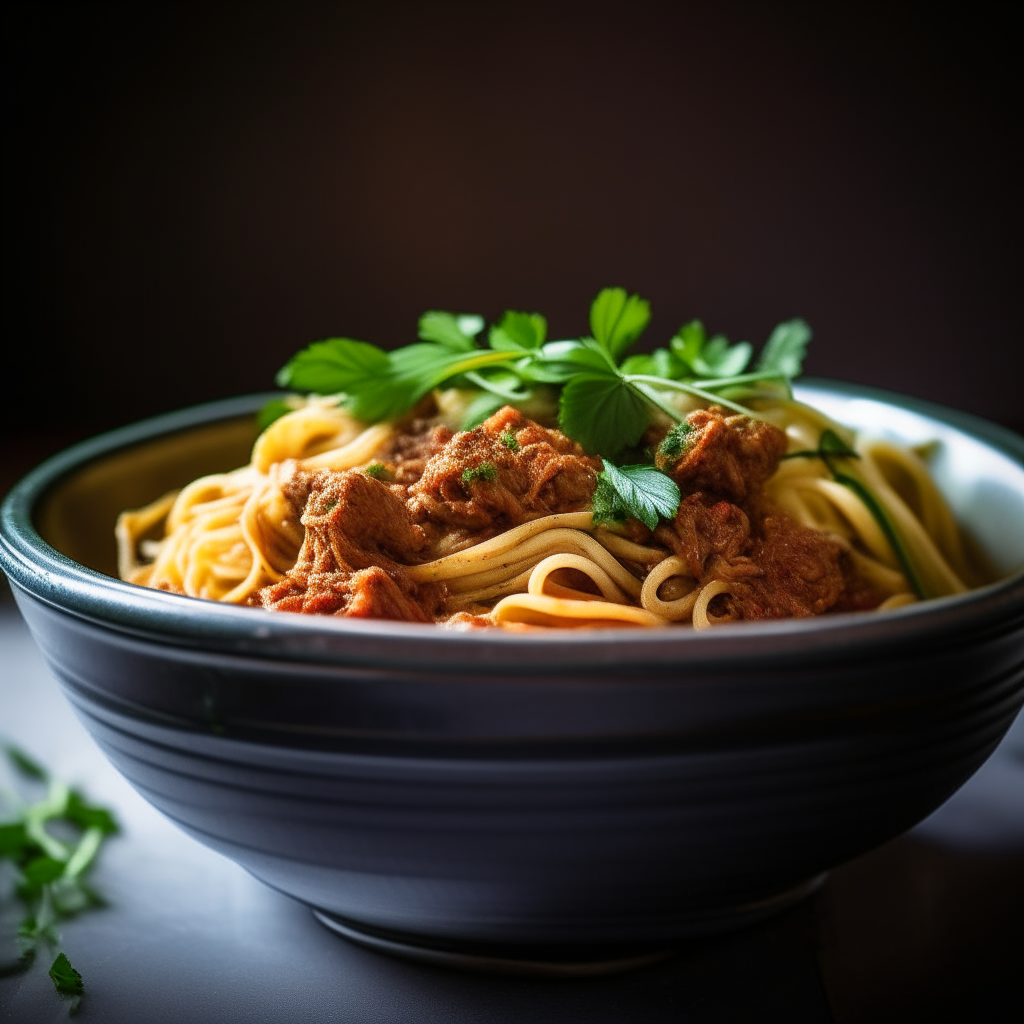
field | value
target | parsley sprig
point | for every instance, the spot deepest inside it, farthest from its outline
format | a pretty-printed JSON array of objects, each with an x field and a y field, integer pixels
[
  {"x": 642, "y": 492},
  {"x": 50, "y": 872},
  {"x": 607, "y": 399}
]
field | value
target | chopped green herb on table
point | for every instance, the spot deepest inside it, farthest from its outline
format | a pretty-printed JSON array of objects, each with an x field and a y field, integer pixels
[{"x": 50, "y": 873}]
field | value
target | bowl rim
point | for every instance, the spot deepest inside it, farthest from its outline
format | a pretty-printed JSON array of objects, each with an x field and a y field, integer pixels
[{"x": 44, "y": 573}]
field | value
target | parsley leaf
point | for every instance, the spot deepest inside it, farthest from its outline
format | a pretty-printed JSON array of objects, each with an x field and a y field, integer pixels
[
  {"x": 334, "y": 365},
  {"x": 784, "y": 351},
  {"x": 602, "y": 412},
  {"x": 453, "y": 332},
  {"x": 713, "y": 357},
  {"x": 413, "y": 371},
  {"x": 720, "y": 359},
  {"x": 559, "y": 361},
  {"x": 25, "y": 764},
  {"x": 642, "y": 492},
  {"x": 504, "y": 383},
  {"x": 481, "y": 408},
  {"x": 13, "y": 840},
  {"x": 603, "y": 406},
  {"x": 618, "y": 319},
  {"x": 42, "y": 870},
  {"x": 66, "y": 979},
  {"x": 518, "y": 332},
  {"x": 49, "y": 873},
  {"x": 659, "y": 363},
  {"x": 675, "y": 441},
  {"x": 484, "y": 473}
]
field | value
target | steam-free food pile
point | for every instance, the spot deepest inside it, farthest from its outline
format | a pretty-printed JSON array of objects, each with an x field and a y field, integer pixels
[{"x": 530, "y": 484}]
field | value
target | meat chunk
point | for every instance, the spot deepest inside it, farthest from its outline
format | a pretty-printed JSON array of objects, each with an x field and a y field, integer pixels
[
  {"x": 359, "y": 538},
  {"x": 726, "y": 455},
  {"x": 789, "y": 571},
  {"x": 703, "y": 528},
  {"x": 507, "y": 471},
  {"x": 362, "y": 520},
  {"x": 409, "y": 452}
]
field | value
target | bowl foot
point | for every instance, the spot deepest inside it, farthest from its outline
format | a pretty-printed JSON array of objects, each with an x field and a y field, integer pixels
[
  {"x": 485, "y": 958},
  {"x": 540, "y": 961}
]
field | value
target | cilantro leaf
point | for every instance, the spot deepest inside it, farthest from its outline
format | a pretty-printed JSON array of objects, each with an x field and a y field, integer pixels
[
  {"x": 688, "y": 342},
  {"x": 484, "y": 473},
  {"x": 709, "y": 357},
  {"x": 618, "y": 319},
  {"x": 66, "y": 980},
  {"x": 87, "y": 815},
  {"x": 643, "y": 492},
  {"x": 784, "y": 350},
  {"x": 675, "y": 441},
  {"x": 13, "y": 840},
  {"x": 602, "y": 412},
  {"x": 481, "y": 408},
  {"x": 20, "y": 760},
  {"x": 334, "y": 365},
  {"x": 659, "y": 363},
  {"x": 42, "y": 870},
  {"x": 559, "y": 361},
  {"x": 383, "y": 398},
  {"x": 720, "y": 359},
  {"x": 409, "y": 374},
  {"x": 518, "y": 332},
  {"x": 501, "y": 382},
  {"x": 451, "y": 331}
]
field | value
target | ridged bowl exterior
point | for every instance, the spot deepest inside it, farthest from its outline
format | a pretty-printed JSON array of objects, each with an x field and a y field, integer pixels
[{"x": 593, "y": 788}]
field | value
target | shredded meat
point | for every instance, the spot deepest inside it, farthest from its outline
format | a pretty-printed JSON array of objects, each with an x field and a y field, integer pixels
[
  {"x": 361, "y": 532},
  {"x": 727, "y": 455},
  {"x": 439, "y": 491},
  {"x": 790, "y": 572},
  {"x": 725, "y": 530},
  {"x": 359, "y": 538},
  {"x": 704, "y": 528},
  {"x": 409, "y": 452},
  {"x": 507, "y": 471}
]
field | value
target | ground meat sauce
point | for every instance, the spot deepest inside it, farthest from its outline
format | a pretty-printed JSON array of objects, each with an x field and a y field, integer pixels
[{"x": 434, "y": 491}]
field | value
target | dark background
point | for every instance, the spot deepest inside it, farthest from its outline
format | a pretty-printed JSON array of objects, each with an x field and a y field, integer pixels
[{"x": 199, "y": 191}]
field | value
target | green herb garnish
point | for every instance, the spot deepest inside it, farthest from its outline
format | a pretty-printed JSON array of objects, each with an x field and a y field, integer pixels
[
  {"x": 50, "y": 873},
  {"x": 66, "y": 979},
  {"x": 607, "y": 401},
  {"x": 675, "y": 441},
  {"x": 642, "y": 492},
  {"x": 484, "y": 473},
  {"x": 378, "y": 471},
  {"x": 508, "y": 439}
]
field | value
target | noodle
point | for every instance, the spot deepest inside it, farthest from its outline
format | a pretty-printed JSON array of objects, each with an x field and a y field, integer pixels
[{"x": 229, "y": 535}]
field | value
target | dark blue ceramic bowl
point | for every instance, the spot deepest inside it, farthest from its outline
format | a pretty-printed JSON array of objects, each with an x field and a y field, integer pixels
[{"x": 572, "y": 798}]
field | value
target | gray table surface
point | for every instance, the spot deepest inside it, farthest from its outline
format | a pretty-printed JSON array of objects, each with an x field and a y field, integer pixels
[{"x": 927, "y": 926}]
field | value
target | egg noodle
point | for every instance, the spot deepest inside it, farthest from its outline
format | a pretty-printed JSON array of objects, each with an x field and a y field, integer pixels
[{"x": 227, "y": 535}]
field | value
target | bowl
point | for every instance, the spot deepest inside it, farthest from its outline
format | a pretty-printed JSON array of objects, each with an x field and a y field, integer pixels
[{"x": 561, "y": 802}]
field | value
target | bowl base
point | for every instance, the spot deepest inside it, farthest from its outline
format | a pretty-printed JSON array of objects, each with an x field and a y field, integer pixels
[{"x": 538, "y": 961}]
